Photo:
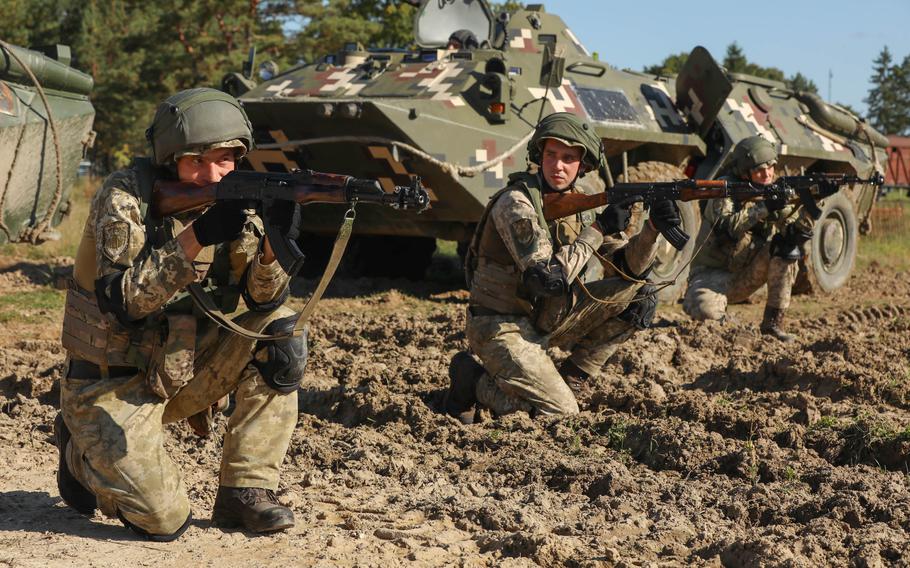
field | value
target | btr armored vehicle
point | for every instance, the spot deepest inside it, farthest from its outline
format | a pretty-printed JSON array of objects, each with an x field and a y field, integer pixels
[
  {"x": 460, "y": 119},
  {"x": 45, "y": 126}
]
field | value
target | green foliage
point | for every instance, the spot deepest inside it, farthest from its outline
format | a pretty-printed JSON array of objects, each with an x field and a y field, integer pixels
[
  {"x": 141, "y": 52},
  {"x": 735, "y": 61},
  {"x": 889, "y": 96},
  {"x": 331, "y": 24},
  {"x": 671, "y": 65}
]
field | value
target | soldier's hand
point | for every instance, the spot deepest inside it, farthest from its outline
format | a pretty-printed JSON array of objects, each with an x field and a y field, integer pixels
[
  {"x": 544, "y": 280},
  {"x": 775, "y": 203},
  {"x": 616, "y": 216},
  {"x": 664, "y": 215},
  {"x": 222, "y": 222}
]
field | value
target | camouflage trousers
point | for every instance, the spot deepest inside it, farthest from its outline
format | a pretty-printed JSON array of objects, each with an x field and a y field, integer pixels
[
  {"x": 519, "y": 375},
  {"x": 711, "y": 289},
  {"x": 117, "y": 424}
]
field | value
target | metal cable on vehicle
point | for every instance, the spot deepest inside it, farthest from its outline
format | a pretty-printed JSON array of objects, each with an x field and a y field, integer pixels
[
  {"x": 453, "y": 170},
  {"x": 33, "y": 233}
]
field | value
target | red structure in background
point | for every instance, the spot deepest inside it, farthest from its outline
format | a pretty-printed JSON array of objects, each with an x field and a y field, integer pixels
[{"x": 897, "y": 173}]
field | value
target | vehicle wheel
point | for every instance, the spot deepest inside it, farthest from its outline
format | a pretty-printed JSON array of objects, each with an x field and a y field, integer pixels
[
  {"x": 669, "y": 260},
  {"x": 833, "y": 249}
]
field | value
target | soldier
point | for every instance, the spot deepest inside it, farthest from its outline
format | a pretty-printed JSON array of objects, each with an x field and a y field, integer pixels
[
  {"x": 140, "y": 356},
  {"x": 535, "y": 284},
  {"x": 751, "y": 244}
]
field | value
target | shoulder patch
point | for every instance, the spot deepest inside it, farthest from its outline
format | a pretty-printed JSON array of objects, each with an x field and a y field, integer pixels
[
  {"x": 116, "y": 239},
  {"x": 523, "y": 231}
]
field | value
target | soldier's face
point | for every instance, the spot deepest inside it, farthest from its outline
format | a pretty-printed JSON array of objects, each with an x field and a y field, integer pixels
[
  {"x": 207, "y": 168},
  {"x": 561, "y": 164},
  {"x": 762, "y": 175}
]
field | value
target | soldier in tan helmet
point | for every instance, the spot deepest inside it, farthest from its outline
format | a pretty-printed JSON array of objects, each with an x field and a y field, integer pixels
[
  {"x": 141, "y": 356},
  {"x": 536, "y": 284},
  {"x": 751, "y": 244}
]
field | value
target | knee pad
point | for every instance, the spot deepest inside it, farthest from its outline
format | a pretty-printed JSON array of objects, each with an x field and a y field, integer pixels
[
  {"x": 285, "y": 359},
  {"x": 640, "y": 312}
]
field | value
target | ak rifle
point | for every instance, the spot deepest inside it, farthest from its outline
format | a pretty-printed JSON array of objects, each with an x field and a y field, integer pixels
[
  {"x": 805, "y": 189},
  {"x": 262, "y": 191}
]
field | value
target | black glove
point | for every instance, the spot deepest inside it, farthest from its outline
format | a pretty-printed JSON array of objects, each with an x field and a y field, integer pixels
[
  {"x": 615, "y": 217},
  {"x": 286, "y": 216},
  {"x": 664, "y": 215},
  {"x": 544, "y": 280},
  {"x": 827, "y": 189},
  {"x": 640, "y": 312},
  {"x": 775, "y": 203},
  {"x": 222, "y": 222}
]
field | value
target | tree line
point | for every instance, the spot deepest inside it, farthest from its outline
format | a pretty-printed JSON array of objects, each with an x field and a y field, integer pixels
[{"x": 140, "y": 52}]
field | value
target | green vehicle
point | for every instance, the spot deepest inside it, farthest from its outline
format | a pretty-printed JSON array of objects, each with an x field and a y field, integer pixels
[
  {"x": 45, "y": 127},
  {"x": 460, "y": 119}
]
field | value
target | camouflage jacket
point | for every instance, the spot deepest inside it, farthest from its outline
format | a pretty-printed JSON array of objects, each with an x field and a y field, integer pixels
[
  {"x": 733, "y": 233},
  {"x": 153, "y": 275},
  {"x": 511, "y": 238}
]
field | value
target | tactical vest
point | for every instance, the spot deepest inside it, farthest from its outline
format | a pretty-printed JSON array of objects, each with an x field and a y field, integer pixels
[
  {"x": 492, "y": 275},
  {"x": 100, "y": 338}
]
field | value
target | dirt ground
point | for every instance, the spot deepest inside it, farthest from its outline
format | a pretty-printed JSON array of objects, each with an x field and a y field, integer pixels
[{"x": 701, "y": 444}]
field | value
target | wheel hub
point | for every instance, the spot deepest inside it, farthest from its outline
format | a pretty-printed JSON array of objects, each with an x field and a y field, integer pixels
[{"x": 832, "y": 237}]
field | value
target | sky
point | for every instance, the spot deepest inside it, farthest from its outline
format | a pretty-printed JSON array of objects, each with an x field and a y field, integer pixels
[{"x": 806, "y": 36}]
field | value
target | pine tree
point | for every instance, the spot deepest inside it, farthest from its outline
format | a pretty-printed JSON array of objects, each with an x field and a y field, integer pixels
[{"x": 889, "y": 95}]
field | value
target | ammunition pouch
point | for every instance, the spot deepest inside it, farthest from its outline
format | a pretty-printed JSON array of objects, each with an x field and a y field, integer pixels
[
  {"x": 170, "y": 365},
  {"x": 496, "y": 286},
  {"x": 282, "y": 362}
]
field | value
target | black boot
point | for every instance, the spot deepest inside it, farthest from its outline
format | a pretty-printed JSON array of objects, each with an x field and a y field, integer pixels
[
  {"x": 464, "y": 372},
  {"x": 772, "y": 324},
  {"x": 576, "y": 378},
  {"x": 253, "y": 508},
  {"x": 73, "y": 493}
]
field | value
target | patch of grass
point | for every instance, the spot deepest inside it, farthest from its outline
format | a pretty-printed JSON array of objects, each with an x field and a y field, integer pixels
[
  {"x": 27, "y": 306},
  {"x": 825, "y": 422},
  {"x": 70, "y": 229},
  {"x": 889, "y": 243},
  {"x": 616, "y": 435},
  {"x": 790, "y": 474}
]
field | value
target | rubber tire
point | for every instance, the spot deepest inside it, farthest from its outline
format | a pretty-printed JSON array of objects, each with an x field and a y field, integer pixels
[
  {"x": 831, "y": 271},
  {"x": 670, "y": 261}
]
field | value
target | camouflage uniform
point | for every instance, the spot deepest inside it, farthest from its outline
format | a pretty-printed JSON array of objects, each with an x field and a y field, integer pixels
[
  {"x": 736, "y": 259},
  {"x": 510, "y": 336},
  {"x": 117, "y": 445}
]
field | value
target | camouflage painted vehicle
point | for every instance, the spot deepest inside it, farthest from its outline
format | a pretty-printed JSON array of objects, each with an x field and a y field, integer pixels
[
  {"x": 45, "y": 126},
  {"x": 460, "y": 119}
]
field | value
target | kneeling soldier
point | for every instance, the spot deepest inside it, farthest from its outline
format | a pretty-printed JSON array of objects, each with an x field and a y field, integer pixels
[
  {"x": 140, "y": 355},
  {"x": 536, "y": 284},
  {"x": 748, "y": 245}
]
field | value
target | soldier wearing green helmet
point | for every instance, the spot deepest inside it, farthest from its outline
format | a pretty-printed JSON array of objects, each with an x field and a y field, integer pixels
[
  {"x": 750, "y": 245},
  {"x": 578, "y": 283},
  {"x": 140, "y": 354}
]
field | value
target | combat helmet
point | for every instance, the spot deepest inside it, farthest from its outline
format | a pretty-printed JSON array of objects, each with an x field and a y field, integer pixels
[
  {"x": 571, "y": 131},
  {"x": 751, "y": 153},
  {"x": 195, "y": 121}
]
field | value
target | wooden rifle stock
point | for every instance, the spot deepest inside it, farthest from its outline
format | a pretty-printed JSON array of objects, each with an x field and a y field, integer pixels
[{"x": 559, "y": 205}]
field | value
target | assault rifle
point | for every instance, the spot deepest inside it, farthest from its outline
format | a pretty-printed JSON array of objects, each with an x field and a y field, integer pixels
[
  {"x": 806, "y": 189},
  {"x": 262, "y": 190}
]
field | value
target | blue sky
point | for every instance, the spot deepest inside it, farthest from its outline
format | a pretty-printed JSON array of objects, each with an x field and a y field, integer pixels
[{"x": 809, "y": 36}]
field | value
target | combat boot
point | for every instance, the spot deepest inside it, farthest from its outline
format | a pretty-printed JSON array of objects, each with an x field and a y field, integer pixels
[
  {"x": 464, "y": 372},
  {"x": 576, "y": 378},
  {"x": 71, "y": 491},
  {"x": 772, "y": 323},
  {"x": 253, "y": 508}
]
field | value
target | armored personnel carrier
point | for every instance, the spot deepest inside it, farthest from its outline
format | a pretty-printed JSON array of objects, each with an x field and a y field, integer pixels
[
  {"x": 45, "y": 126},
  {"x": 460, "y": 117}
]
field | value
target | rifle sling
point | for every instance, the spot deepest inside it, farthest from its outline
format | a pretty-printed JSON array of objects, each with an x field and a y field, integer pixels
[{"x": 210, "y": 309}]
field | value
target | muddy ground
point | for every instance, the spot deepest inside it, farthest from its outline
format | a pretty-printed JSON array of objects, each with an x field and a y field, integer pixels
[{"x": 700, "y": 445}]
